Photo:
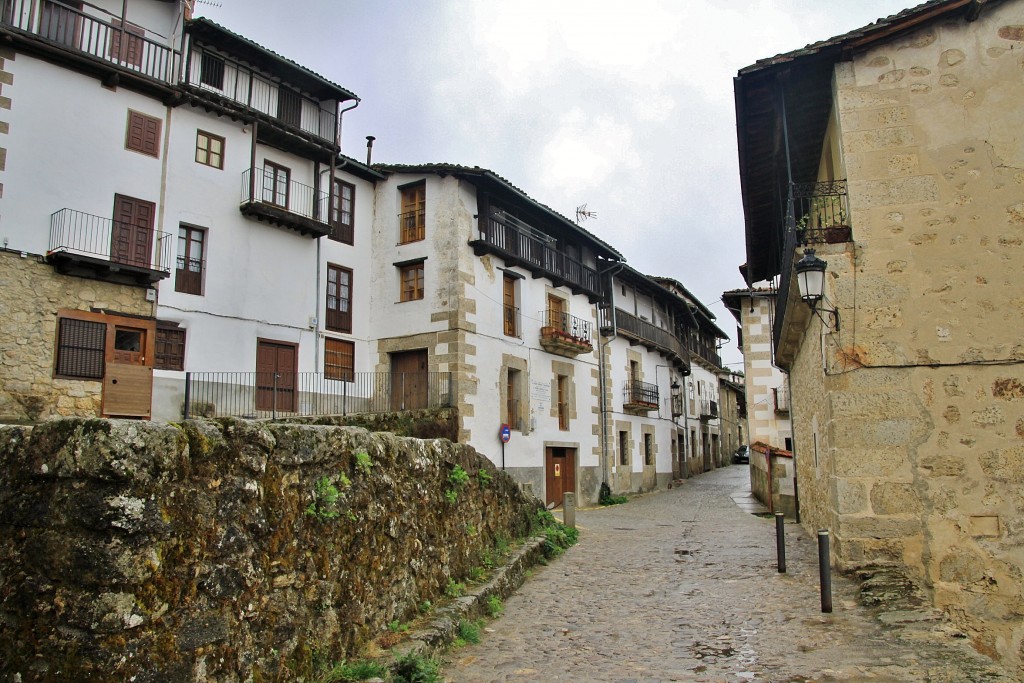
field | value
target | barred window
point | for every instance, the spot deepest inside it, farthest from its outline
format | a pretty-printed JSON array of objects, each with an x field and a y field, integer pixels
[{"x": 80, "y": 348}]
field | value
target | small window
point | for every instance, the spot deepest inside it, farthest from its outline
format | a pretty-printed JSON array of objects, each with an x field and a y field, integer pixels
[
  {"x": 512, "y": 416},
  {"x": 170, "y": 348},
  {"x": 209, "y": 149},
  {"x": 563, "y": 402},
  {"x": 188, "y": 277},
  {"x": 143, "y": 134},
  {"x": 275, "y": 184},
  {"x": 343, "y": 206},
  {"x": 411, "y": 277},
  {"x": 648, "y": 449},
  {"x": 211, "y": 71},
  {"x": 412, "y": 220},
  {"x": 510, "y": 306},
  {"x": 80, "y": 348},
  {"x": 339, "y": 298},
  {"x": 339, "y": 360},
  {"x": 623, "y": 448}
]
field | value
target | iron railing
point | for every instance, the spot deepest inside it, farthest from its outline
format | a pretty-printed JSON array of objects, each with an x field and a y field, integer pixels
[
  {"x": 75, "y": 232},
  {"x": 579, "y": 329},
  {"x": 301, "y": 200},
  {"x": 93, "y": 32},
  {"x": 412, "y": 226},
  {"x": 273, "y": 395},
  {"x": 636, "y": 393},
  {"x": 821, "y": 212},
  {"x": 511, "y": 318},
  {"x": 212, "y": 71},
  {"x": 517, "y": 242}
]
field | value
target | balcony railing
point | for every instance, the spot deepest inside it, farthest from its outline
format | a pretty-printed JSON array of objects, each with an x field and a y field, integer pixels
[
  {"x": 512, "y": 326},
  {"x": 223, "y": 77},
  {"x": 103, "y": 244},
  {"x": 821, "y": 212},
  {"x": 708, "y": 410},
  {"x": 412, "y": 226},
  {"x": 295, "y": 206},
  {"x": 781, "y": 398},
  {"x": 519, "y": 244},
  {"x": 638, "y": 395},
  {"x": 92, "y": 32},
  {"x": 272, "y": 395},
  {"x": 650, "y": 334},
  {"x": 564, "y": 334},
  {"x": 706, "y": 351}
]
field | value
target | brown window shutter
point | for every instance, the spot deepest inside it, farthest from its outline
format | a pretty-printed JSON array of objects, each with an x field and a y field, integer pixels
[
  {"x": 143, "y": 134},
  {"x": 136, "y": 131},
  {"x": 151, "y": 137}
]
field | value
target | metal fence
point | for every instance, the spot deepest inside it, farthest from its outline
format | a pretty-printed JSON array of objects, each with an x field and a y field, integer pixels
[
  {"x": 293, "y": 197},
  {"x": 273, "y": 395}
]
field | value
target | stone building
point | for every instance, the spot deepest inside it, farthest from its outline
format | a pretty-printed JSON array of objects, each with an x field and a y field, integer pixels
[{"x": 894, "y": 152}]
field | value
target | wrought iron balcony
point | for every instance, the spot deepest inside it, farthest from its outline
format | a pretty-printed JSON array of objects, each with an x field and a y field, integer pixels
[
  {"x": 289, "y": 204},
  {"x": 564, "y": 334},
  {"x": 91, "y": 35},
  {"x": 639, "y": 396},
  {"x": 517, "y": 243},
  {"x": 652, "y": 337},
  {"x": 821, "y": 212},
  {"x": 93, "y": 246},
  {"x": 215, "y": 77}
]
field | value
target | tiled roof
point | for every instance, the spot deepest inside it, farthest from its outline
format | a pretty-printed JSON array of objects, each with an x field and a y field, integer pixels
[{"x": 459, "y": 169}]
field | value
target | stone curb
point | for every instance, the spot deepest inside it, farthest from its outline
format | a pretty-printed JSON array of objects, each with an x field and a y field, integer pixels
[{"x": 443, "y": 628}]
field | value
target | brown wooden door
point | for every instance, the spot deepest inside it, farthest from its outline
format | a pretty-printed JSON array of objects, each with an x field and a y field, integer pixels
[
  {"x": 560, "y": 474},
  {"x": 128, "y": 375},
  {"x": 276, "y": 375},
  {"x": 556, "y": 313},
  {"x": 511, "y": 311},
  {"x": 131, "y": 236},
  {"x": 409, "y": 380}
]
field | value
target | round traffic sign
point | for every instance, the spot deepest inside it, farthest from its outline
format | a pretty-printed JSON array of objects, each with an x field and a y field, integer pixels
[{"x": 505, "y": 433}]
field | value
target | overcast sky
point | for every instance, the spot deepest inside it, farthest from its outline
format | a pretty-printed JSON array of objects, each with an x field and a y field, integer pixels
[{"x": 626, "y": 107}]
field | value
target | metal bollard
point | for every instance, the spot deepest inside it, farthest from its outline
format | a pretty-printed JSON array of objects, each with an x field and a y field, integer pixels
[
  {"x": 824, "y": 571},
  {"x": 780, "y": 541},
  {"x": 569, "y": 509}
]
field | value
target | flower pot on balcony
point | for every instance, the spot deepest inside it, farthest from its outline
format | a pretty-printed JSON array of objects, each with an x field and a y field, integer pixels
[{"x": 837, "y": 234}]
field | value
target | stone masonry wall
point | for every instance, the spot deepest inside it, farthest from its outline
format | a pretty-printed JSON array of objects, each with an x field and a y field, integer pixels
[
  {"x": 919, "y": 419},
  {"x": 30, "y": 295},
  {"x": 215, "y": 550}
]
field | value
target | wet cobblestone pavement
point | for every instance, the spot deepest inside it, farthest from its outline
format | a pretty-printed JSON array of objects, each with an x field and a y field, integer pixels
[{"x": 682, "y": 586}]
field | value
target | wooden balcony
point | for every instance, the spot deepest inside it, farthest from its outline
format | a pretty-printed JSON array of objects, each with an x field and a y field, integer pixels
[
  {"x": 653, "y": 337},
  {"x": 291, "y": 205}
]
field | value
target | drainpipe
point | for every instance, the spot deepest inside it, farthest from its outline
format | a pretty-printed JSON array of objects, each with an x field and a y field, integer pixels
[
  {"x": 796, "y": 490},
  {"x": 337, "y": 129},
  {"x": 601, "y": 374}
]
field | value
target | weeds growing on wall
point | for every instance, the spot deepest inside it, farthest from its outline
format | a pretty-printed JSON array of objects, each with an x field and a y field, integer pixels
[
  {"x": 415, "y": 668},
  {"x": 324, "y": 505},
  {"x": 605, "y": 497},
  {"x": 557, "y": 536}
]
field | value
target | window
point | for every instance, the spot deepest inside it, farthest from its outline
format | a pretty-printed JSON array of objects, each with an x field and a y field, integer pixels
[
  {"x": 339, "y": 298},
  {"x": 563, "y": 402},
  {"x": 556, "y": 313},
  {"x": 339, "y": 359},
  {"x": 80, "y": 348},
  {"x": 512, "y": 400},
  {"x": 143, "y": 134},
  {"x": 648, "y": 449},
  {"x": 275, "y": 184},
  {"x": 188, "y": 278},
  {"x": 134, "y": 44},
  {"x": 211, "y": 71},
  {"x": 411, "y": 277},
  {"x": 411, "y": 220},
  {"x": 209, "y": 149},
  {"x": 623, "y": 448},
  {"x": 510, "y": 306},
  {"x": 170, "y": 347},
  {"x": 343, "y": 206},
  {"x": 129, "y": 346}
]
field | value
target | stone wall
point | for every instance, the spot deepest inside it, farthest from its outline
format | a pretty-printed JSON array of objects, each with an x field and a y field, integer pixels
[
  {"x": 772, "y": 479},
  {"x": 910, "y": 445},
  {"x": 30, "y": 295},
  {"x": 227, "y": 550}
]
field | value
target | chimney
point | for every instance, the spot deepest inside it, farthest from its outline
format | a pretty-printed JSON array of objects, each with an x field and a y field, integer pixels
[{"x": 369, "y": 148}]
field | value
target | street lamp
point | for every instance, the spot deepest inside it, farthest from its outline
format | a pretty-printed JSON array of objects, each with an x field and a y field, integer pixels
[{"x": 810, "y": 278}]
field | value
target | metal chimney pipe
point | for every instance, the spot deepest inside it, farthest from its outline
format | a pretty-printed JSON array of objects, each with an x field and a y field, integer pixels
[{"x": 369, "y": 148}]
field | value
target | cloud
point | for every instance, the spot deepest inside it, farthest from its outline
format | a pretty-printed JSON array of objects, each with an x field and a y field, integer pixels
[{"x": 583, "y": 151}]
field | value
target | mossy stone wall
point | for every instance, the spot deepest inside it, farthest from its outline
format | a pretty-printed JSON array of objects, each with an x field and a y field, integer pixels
[{"x": 146, "y": 552}]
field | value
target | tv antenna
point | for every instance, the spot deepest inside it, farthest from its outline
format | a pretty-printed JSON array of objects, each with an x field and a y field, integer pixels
[{"x": 582, "y": 214}]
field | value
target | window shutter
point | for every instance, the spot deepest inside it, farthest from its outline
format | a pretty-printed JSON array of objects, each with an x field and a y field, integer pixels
[
  {"x": 170, "y": 349},
  {"x": 80, "y": 348}
]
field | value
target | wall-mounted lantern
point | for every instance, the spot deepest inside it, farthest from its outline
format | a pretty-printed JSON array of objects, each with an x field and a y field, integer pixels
[{"x": 810, "y": 278}]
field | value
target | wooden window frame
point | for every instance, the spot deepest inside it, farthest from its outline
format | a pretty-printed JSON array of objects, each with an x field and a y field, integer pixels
[
  {"x": 187, "y": 280},
  {"x": 416, "y": 291},
  {"x": 562, "y": 386},
  {"x": 412, "y": 218},
  {"x": 648, "y": 449},
  {"x": 623, "y": 447},
  {"x": 170, "y": 347},
  {"x": 341, "y": 230},
  {"x": 342, "y": 320},
  {"x": 210, "y": 138},
  {"x": 147, "y": 326},
  {"x": 339, "y": 371},
  {"x": 142, "y": 134},
  {"x": 276, "y": 168},
  {"x": 513, "y": 403},
  {"x": 510, "y": 305}
]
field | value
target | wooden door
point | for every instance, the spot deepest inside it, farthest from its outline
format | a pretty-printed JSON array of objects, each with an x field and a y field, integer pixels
[
  {"x": 131, "y": 236},
  {"x": 560, "y": 474},
  {"x": 128, "y": 375},
  {"x": 556, "y": 313},
  {"x": 409, "y": 380},
  {"x": 276, "y": 375}
]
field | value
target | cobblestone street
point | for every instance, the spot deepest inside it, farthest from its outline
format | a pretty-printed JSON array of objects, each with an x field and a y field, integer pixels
[{"x": 682, "y": 586}]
